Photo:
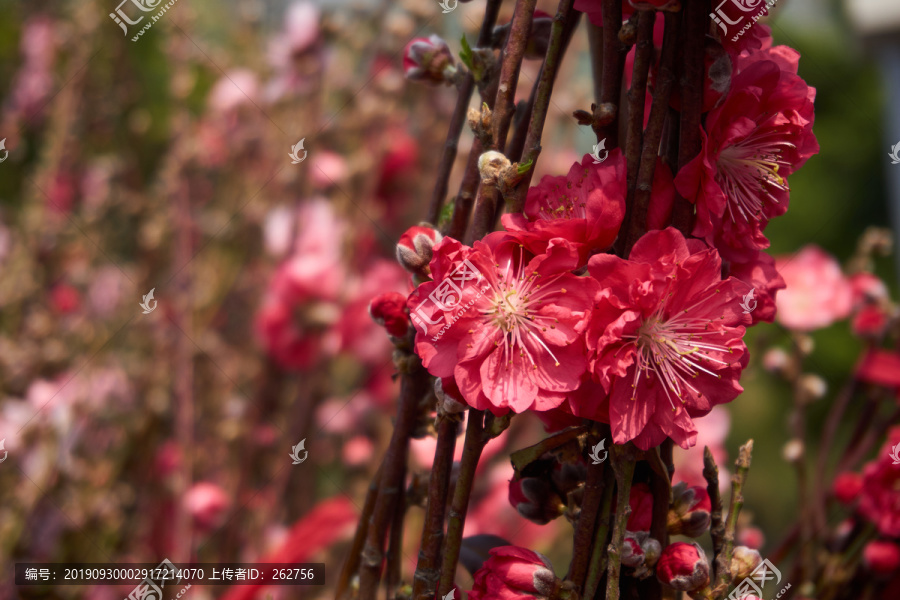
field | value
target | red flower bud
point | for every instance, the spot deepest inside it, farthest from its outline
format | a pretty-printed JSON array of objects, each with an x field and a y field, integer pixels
[
  {"x": 389, "y": 310},
  {"x": 514, "y": 573},
  {"x": 881, "y": 557},
  {"x": 415, "y": 248},
  {"x": 429, "y": 59},
  {"x": 689, "y": 514},
  {"x": 641, "y": 501},
  {"x": 847, "y": 487},
  {"x": 632, "y": 553},
  {"x": 683, "y": 567}
]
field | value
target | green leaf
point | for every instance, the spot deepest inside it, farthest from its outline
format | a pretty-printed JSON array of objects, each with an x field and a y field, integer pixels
[
  {"x": 466, "y": 55},
  {"x": 523, "y": 168},
  {"x": 446, "y": 215}
]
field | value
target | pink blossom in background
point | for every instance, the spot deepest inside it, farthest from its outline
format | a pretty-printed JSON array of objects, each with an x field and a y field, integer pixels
[
  {"x": 666, "y": 339},
  {"x": 64, "y": 298},
  {"x": 328, "y": 168},
  {"x": 713, "y": 433},
  {"x": 817, "y": 293},
  {"x": 357, "y": 451},
  {"x": 106, "y": 290},
  {"x": 33, "y": 82},
  {"x": 236, "y": 88},
  {"x": 206, "y": 502}
]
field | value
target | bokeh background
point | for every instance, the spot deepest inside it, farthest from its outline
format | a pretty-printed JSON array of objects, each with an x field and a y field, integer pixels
[{"x": 163, "y": 164}]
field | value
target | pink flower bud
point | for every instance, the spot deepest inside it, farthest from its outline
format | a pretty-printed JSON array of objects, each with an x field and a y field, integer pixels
[
  {"x": 752, "y": 537},
  {"x": 743, "y": 561},
  {"x": 64, "y": 298},
  {"x": 389, "y": 310},
  {"x": 683, "y": 567},
  {"x": 206, "y": 502},
  {"x": 881, "y": 557},
  {"x": 689, "y": 514},
  {"x": 847, "y": 487},
  {"x": 428, "y": 59},
  {"x": 514, "y": 573},
  {"x": 415, "y": 248},
  {"x": 869, "y": 321}
]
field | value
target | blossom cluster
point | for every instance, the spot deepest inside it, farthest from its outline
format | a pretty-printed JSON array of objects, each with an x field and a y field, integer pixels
[{"x": 545, "y": 316}]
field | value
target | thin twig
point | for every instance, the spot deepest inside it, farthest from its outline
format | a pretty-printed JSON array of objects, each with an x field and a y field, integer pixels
[
  {"x": 587, "y": 520},
  {"x": 458, "y": 119},
  {"x": 560, "y": 34},
  {"x": 716, "y": 524},
  {"x": 598, "y": 557},
  {"x": 427, "y": 571},
  {"x": 623, "y": 463},
  {"x": 652, "y": 135},
  {"x": 472, "y": 448},
  {"x": 413, "y": 387},
  {"x": 742, "y": 467},
  {"x": 614, "y": 52},
  {"x": 696, "y": 19},
  {"x": 359, "y": 538}
]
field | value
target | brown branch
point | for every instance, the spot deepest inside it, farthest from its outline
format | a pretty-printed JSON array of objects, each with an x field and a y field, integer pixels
[
  {"x": 511, "y": 62},
  {"x": 355, "y": 554},
  {"x": 458, "y": 119},
  {"x": 587, "y": 520},
  {"x": 472, "y": 448},
  {"x": 742, "y": 467},
  {"x": 427, "y": 571},
  {"x": 634, "y": 126},
  {"x": 653, "y": 134},
  {"x": 623, "y": 463},
  {"x": 717, "y": 524},
  {"x": 563, "y": 25},
  {"x": 614, "y": 52},
  {"x": 598, "y": 556},
  {"x": 414, "y": 386}
]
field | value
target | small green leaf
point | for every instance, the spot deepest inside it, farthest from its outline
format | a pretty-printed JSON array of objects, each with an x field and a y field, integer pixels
[
  {"x": 466, "y": 56},
  {"x": 446, "y": 215},
  {"x": 523, "y": 168}
]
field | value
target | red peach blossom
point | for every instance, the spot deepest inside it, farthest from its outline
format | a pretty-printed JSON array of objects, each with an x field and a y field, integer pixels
[
  {"x": 514, "y": 573},
  {"x": 666, "y": 337},
  {"x": 882, "y": 557},
  {"x": 206, "y": 502},
  {"x": 761, "y": 274},
  {"x": 879, "y": 500},
  {"x": 505, "y": 323},
  {"x": 760, "y": 134}
]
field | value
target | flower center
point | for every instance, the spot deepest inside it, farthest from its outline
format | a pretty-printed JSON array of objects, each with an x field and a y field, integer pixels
[
  {"x": 512, "y": 308},
  {"x": 748, "y": 173},
  {"x": 674, "y": 350},
  {"x": 565, "y": 205}
]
